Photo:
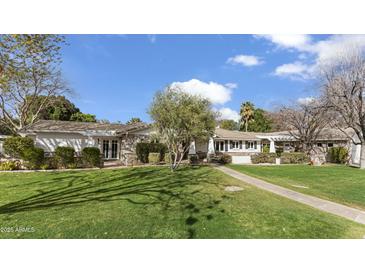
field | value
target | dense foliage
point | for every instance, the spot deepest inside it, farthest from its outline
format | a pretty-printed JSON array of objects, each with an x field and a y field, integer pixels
[
  {"x": 285, "y": 158},
  {"x": 15, "y": 146},
  {"x": 91, "y": 157},
  {"x": 34, "y": 157},
  {"x": 65, "y": 157},
  {"x": 229, "y": 124},
  {"x": 9, "y": 165},
  {"x": 154, "y": 158},
  {"x": 143, "y": 150},
  {"x": 338, "y": 155},
  {"x": 221, "y": 158},
  {"x": 83, "y": 117},
  {"x": 264, "y": 157}
]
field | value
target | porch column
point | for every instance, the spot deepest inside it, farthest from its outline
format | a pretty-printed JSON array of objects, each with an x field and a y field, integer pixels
[
  {"x": 272, "y": 146},
  {"x": 192, "y": 148},
  {"x": 211, "y": 146}
]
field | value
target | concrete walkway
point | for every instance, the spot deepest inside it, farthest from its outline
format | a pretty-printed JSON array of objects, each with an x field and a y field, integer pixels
[{"x": 350, "y": 213}]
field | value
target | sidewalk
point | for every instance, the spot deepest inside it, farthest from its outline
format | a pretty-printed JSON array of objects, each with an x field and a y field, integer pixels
[{"x": 350, "y": 213}]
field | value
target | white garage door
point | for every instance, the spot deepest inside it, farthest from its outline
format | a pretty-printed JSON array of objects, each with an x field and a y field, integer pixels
[{"x": 241, "y": 159}]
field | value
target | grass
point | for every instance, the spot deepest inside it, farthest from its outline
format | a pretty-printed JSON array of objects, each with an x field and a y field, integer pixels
[
  {"x": 152, "y": 202},
  {"x": 342, "y": 184}
]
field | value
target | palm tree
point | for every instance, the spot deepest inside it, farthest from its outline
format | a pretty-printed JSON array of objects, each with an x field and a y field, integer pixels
[{"x": 246, "y": 112}]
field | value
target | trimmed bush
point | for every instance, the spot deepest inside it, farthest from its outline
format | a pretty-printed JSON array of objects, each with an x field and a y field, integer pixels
[
  {"x": 143, "y": 149},
  {"x": 15, "y": 146},
  {"x": 221, "y": 158},
  {"x": 263, "y": 158},
  {"x": 91, "y": 157},
  {"x": 34, "y": 157},
  {"x": 294, "y": 158},
  {"x": 154, "y": 158},
  {"x": 65, "y": 157},
  {"x": 338, "y": 155},
  {"x": 10, "y": 165}
]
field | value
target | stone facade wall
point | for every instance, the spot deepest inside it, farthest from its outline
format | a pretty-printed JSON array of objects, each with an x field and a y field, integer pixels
[{"x": 128, "y": 145}]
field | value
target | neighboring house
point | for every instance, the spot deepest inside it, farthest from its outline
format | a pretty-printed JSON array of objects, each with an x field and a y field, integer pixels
[
  {"x": 241, "y": 145},
  {"x": 115, "y": 141}
]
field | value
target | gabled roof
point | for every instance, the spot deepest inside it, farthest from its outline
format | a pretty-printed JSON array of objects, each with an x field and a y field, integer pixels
[{"x": 78, "y": 127}]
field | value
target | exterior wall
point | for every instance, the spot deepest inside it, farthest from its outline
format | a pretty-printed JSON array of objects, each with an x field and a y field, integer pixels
[
  {"x": 237, "y": 149},
  {"x": 128, "y": 147},
  {"x": 50, "y": 141}
]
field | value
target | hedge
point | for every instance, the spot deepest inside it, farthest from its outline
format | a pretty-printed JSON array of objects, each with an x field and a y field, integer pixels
[
  {"x": 338, "y": 155},
  {"x": 154, "y": 158},
  {"x": 15, "y": 146},
  {"x": 261, "y": 158},
  {"x": 285, "y": 158},
  {"x": 143, "y": 149},
  {"x": 221, "y": 158},
  {"x": 34, "y": 157},
  {"x": 91, "y": 157},
  {"x": 65, "y": 157}
]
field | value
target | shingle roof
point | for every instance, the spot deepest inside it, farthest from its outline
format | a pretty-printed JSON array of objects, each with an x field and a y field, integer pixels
[
  {"x": 235, "y": 134},
  {"x": 70, "y": 126}
]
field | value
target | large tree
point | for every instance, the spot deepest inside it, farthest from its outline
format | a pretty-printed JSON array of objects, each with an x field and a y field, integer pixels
[
  {"x": 246, "y": 112},
  {"x": 59, "y": 108},
  {"x": 83, "y": 117},
  {"x": 181, "y": 118},
  {"x": 29, "y": 67},
  {"x": 228, "y": 124},
  {"x": 305, "y": 122},
  {"x": 134, "y": 120},
  {"x": 343, "y": 95},
  {"x": 261, "y": 121}
]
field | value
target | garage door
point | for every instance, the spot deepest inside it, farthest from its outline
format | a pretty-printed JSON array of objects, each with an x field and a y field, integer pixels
[{"x": 241, "y": 159}]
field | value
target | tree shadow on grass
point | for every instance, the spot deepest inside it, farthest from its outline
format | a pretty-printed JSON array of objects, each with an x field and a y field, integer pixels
[{"x": 184, "y": 188}]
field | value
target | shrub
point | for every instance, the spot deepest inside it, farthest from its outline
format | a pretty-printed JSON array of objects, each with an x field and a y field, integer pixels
[
  {"x": 143, "y": 149},
  {"x": 263, "y": 158},
  {"x": 154, "y": 158},
  {"x": 294, "y": 158},
  {"x": 91, "y": 156},
  {"x": 221, "y": 158},
  {"x": 10, "y": 165},
  {"x": 201, "y": 155},
  {"x": 49, "y": 163},
  {"x": 193, "y": 159},
  {"x": 65, "y": 156},
  {"x": 34, "y": 157},
  {"x": 167, "y": 158},
  {"x": 338, "y": 155},
  {"x": 15, "y": 146}
]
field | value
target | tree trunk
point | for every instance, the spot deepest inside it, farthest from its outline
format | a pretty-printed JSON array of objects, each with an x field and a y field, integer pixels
[{"x": 362, "y": 156}]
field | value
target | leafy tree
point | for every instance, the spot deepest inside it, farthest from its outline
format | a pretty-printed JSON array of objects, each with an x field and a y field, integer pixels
[
  {"x": 83, "y": 117},
  {"x": 247, "y": 114},
  {"x": 134, "y": 120},
  {"x": 181, "y": 118},
  {"x": 29, "y": 67},
  {"x": 261, "y": 122},
  {"x": 229, "y": 124},
  {"x": 59, "y": 108}
]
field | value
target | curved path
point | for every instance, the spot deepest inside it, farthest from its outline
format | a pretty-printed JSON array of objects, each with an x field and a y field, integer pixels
[{"x": 347, "y": 212}]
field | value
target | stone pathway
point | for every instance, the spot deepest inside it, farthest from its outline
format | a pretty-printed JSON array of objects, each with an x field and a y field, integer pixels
[{"x": 350, "y": 213}]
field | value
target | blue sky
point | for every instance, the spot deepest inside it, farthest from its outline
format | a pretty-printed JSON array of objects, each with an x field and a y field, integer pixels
[{"x": 116, "y": 76}]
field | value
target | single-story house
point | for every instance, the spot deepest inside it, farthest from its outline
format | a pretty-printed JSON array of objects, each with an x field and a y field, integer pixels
[{"x": 117, "y": 141}]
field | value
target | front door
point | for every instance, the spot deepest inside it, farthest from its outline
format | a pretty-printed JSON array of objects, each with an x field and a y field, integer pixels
[{"x": 110, "y": 149}]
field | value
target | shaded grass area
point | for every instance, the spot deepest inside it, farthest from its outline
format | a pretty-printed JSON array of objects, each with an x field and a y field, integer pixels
[
  {"x": 342, "y": 184},
  {"x": 152, "y": 202}
]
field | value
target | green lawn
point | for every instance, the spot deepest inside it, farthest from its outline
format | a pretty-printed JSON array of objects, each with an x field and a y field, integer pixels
[
  {"x": 338, "y": 183},
  {"x": 153, "y": 203}
]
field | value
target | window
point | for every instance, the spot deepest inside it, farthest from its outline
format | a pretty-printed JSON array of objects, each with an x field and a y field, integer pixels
[
  {"x": 319, "y": 144},
  {"x": 330, "y": 144},
  {"x": 114, "y": 149},
  {"x": 219, "y": 146},
  {"x": 106, "y": 149},
  {"x": 251, "y": 145}
]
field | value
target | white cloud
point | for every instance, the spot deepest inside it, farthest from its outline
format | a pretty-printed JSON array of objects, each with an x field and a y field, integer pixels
[
  {"x": 229, "y": 114},
  {"x": 216, "y": 93},
  {"x": 297, "y": 41},
  {"x": 295, "y": 70},
  {"x": 315, "y": 53},
  {"x": 305, "y": 100},
  {"x": 245, "y": 60}
]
